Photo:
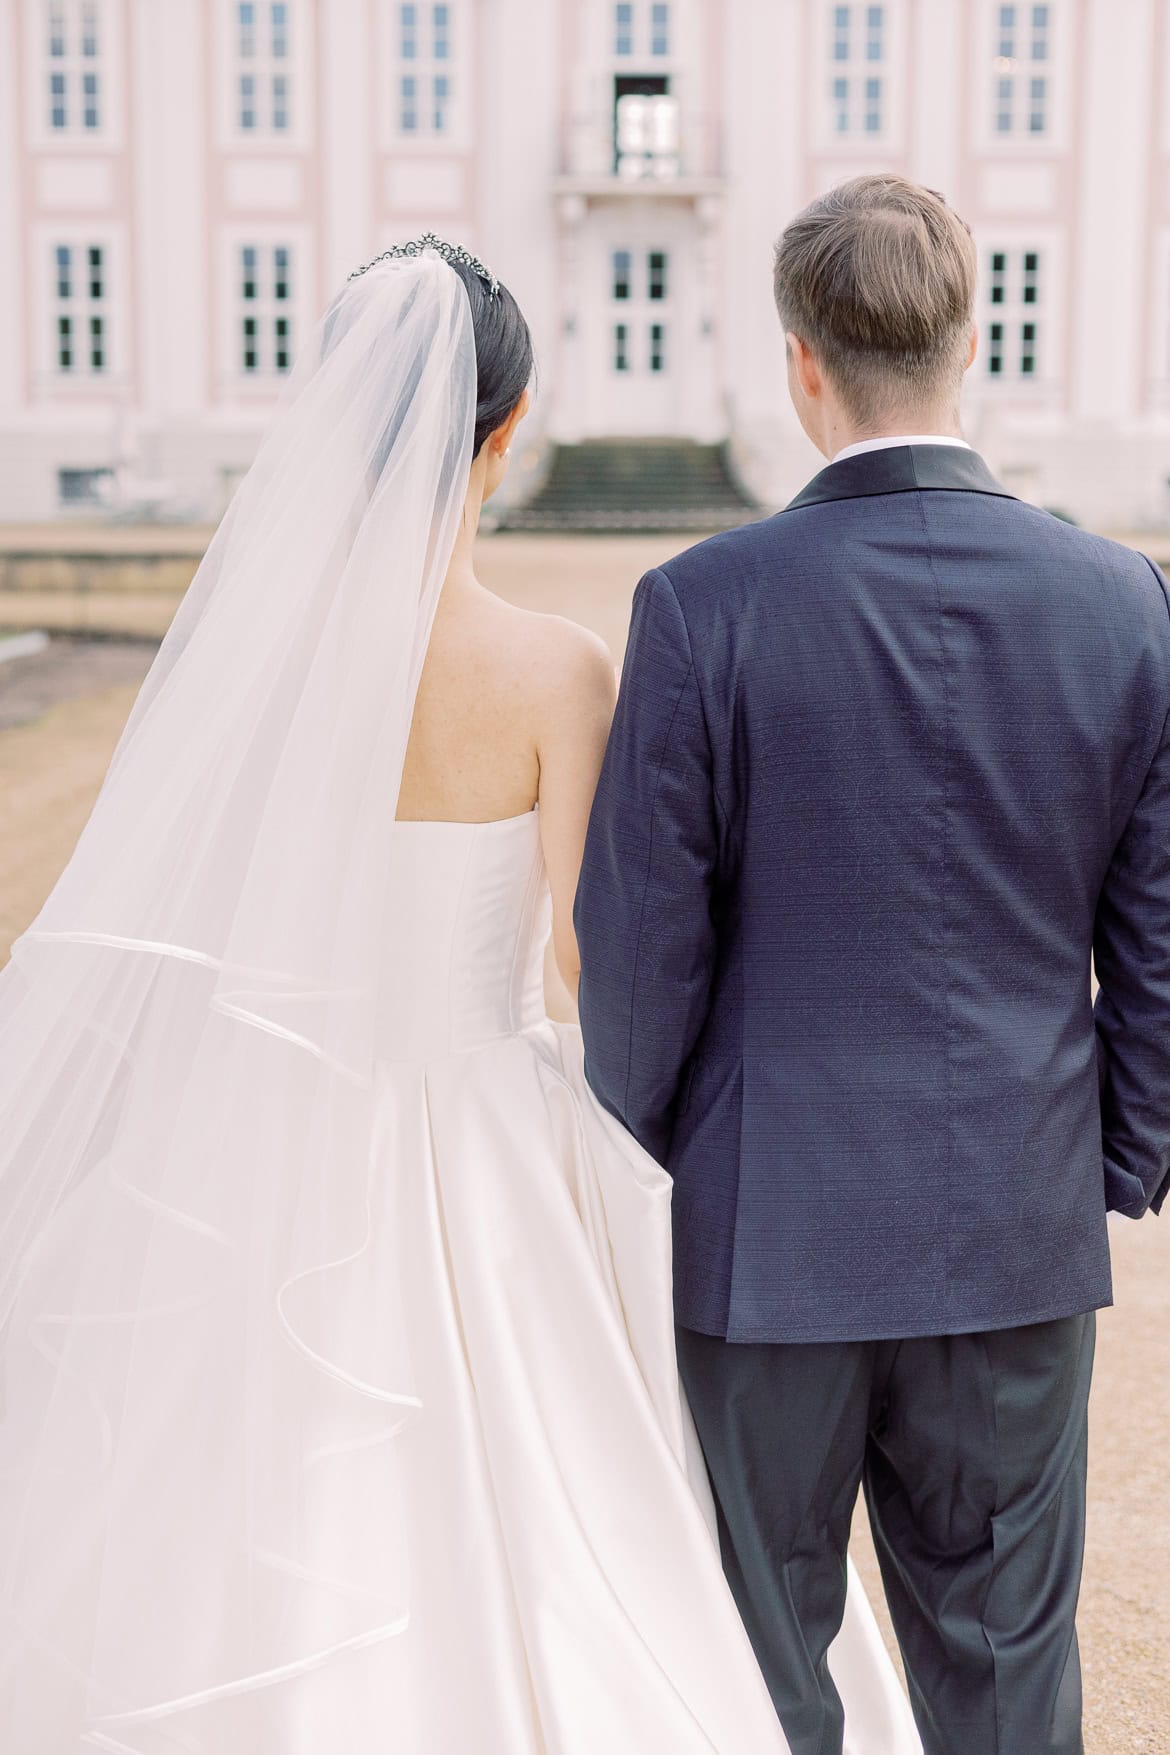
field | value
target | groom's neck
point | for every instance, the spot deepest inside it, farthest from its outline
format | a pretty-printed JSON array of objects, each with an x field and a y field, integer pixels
[{"x": 840, "y": 431}]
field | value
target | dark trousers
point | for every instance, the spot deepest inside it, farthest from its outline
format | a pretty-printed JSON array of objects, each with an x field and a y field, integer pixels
[{"x": 972, "y": 1453}]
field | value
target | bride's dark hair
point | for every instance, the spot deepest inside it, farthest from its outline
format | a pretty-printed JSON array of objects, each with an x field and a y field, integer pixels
[{"x": 503, "y": 352}]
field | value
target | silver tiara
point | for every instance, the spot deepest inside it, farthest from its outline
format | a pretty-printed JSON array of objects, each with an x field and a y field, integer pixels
[{"x": 449, "y": 253}]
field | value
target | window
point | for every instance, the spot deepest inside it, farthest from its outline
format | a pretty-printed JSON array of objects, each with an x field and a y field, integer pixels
[
  {"x": 641, "y": 28},
  {"x": 74, "y": 48},
  {"x": 857, "y": 56},
  {"x": 1023, "y": 50},
  {"x": 408, "y": 112},
  {"x": 656, "y": 274},
  {"x": 425, "y": 50},
  {"x": 657, "y": 347},
  {"x": 1014, "y": 289},
  {"x": 621, "y": 347},
  {"x": 84, "y": 487},
  {"x": 621, "y": 274},
  {"x": 81, "y": 310},
  {"x": 647, "y": 135},
  {"x": 263, "y": 80},
  {"x": 266, "y": 308}
]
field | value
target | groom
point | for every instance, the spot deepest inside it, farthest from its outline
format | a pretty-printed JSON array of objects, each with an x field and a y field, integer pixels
[{"x": 886, "y": 769}]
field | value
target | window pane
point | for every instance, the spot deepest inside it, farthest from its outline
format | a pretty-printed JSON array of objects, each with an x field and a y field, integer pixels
[
  {"x": 281, "y": 257},
  {"x": 96, "y": 285},
  {"x": 91, "y": 114},
  {"x": 657, "y": 274},
  {"x": 1007, "y": 32},
  {"x": 58, "y": 114},
  {"x": 408, "y": 29},
  {"x": 64, "y": 278},
  {"x": 280, "y": 102},
  {"x": 65, "y": 343},
  {"x": 841, "y": 105},
  {"x": 282, "y": 351},
  {"x": 247, "y": 101},
  {"x": 408, "y": 115},
  {"x": 248, "y": 278},
  {"x": 995, "y": 352},
  {"x": 442, "y": 93},
  {"x": 246, "y": 18},
  {"x": 873, "y": 106},
  {"x": 442, "y": 23},
  {"x": 623, "y": 38},
  {"x": 1028, "y": 350},
  {"x": 660, "y": 29},
  {"x": 621, "y": 274},
  {"x": 841, "y": 33},
  {"x": 1003, "y": 107},
  {"x": 57, "y": 29},
  {"x": 279, "y": 30},
  {"x": 621, "y": 357},
  {"x": 1038, "y": 111},
  {"x": 97, "y": 357},
  {"x": 89, "y": 30},
  {"x": 657, "y": 347}
]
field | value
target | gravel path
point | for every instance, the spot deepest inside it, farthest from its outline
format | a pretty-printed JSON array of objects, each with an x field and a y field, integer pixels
[{"x": 60, "y": 715}]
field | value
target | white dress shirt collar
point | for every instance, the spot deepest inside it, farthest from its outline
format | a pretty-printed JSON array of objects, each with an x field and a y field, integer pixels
[{"x": 898, "y": 439}]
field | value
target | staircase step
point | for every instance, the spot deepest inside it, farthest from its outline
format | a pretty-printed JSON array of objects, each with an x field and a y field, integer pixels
[{"x": 635, "y": 484}]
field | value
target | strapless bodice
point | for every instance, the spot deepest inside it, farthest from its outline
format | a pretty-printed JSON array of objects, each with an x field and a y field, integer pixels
[{"x": 468, "y": 923}]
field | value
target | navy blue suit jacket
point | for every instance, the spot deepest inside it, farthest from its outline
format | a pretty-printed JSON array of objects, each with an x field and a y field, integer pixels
[{"x": 887, "y": 769}]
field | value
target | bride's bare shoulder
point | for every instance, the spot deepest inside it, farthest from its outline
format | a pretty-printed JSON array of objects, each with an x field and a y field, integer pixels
[{"x": 556, "y": 662}]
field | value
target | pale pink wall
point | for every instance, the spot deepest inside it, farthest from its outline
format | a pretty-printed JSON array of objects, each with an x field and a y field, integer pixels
[{"x": 1157, "y": 198}]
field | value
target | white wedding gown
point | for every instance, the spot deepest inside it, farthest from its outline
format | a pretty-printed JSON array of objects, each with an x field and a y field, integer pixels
[{"x": 566, "y": 1591}]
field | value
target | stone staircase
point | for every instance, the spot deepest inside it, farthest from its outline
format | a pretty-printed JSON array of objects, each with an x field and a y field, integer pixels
[{"x": 635, "y": 484}]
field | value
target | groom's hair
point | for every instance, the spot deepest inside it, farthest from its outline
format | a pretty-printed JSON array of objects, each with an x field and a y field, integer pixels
[{"x": 877, "y": 277}]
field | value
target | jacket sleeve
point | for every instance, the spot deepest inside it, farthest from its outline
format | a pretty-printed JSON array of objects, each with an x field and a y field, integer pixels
[
  {"x": 1131, "y": 953},
  {"x": 643, "y": 908}
]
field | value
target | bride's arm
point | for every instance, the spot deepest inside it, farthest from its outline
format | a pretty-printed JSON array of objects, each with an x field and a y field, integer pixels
[{"x": 577, "y": 694}]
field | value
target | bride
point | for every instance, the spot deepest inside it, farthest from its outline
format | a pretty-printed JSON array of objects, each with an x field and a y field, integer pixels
[{"x": 340, "y": 1409}]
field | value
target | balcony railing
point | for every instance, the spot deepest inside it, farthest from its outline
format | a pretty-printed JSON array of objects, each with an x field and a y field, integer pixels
[{"x": 642, "y": 140}]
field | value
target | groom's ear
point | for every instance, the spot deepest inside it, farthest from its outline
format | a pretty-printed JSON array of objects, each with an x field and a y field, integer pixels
[
  {"x": 805, "y": 367},
  {"x": 974, "y": 347}
]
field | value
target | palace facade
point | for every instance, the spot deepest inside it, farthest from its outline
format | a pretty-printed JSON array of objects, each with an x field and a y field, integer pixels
[{"x": 184, "y": 182}]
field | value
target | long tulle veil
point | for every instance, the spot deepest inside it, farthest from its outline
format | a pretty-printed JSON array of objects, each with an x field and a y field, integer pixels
[{"x": 202, "y": 1365}]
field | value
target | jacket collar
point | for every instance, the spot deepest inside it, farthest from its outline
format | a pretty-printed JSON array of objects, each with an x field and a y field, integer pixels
[{"x": 901, "y": 469}]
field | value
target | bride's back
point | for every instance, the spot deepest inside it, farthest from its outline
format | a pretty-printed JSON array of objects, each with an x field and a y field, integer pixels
[
  {"x": 474, "y": 739},
  {"x": 513, "y": 710}
]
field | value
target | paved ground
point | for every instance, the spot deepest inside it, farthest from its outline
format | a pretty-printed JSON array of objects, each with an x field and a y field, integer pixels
[{"x": 60, "y": 715}]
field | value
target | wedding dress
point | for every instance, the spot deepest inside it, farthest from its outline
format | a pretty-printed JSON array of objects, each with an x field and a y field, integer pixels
[{"x": 340, "y": 1407}]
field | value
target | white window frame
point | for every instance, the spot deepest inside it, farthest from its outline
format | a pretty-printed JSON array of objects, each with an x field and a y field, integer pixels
[
  {"x": 107, "y": 64},
  {"x": 425, "y": 67},
  {"x": 1047, "y": 384},
  {"x": 296, "y": 67},
  {"x": 857, "y": 70},
  {"x": 1056, "y": 69},
  {"x": 233, "y": 382},
  {"x": 639, "y": 311},
  {"x": 82, "y": 383}
]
